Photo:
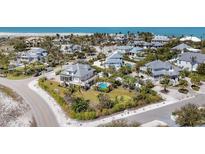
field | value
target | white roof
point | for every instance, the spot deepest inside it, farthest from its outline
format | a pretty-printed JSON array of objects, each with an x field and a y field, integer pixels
[{"x": 190, "y": 38}]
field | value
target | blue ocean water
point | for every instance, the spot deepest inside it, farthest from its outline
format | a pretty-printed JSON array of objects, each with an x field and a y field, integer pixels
[{"x": 176, "y": 31}]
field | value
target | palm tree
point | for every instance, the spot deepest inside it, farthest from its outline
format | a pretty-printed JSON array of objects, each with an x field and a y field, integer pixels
[
  {"x": 149, "y": 71},
  {"x": 80, "y": 105},
  {"x": 25, "y": 67},
  {"x": 165, "y": 82},
  {"x": 188, "y": 115},
  {"x": 72, "y": 89}
]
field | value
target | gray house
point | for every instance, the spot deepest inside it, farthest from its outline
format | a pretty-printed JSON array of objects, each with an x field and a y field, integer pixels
[
  {"x": 184, "y": 47},
  {"x": 190, "y": 60},
  {"x": 114, "y": 60},
  {"x": 161, "y": 38},
  {"x": 32, "y": 55},
  {"x": 79, "y": 74},
  {"x": 181, "y": 47},
  {"x": 159, "y": 68}
]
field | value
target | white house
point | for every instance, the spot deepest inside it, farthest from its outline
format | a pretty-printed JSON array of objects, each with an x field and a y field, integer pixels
[
  {"x": 190, "y": 60},
  {"x": 191, "y": 38},
  {"x": 78, "y": 74}
]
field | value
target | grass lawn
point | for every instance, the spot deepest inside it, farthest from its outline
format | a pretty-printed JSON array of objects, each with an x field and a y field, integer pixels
[
  {"x": 55, "y": 86},
  {"x": 20, "y": 77},
  {"x": 124, "y": 100},
  {"x": 92, "y": 94},
  {"x": 10, "y": 93}
]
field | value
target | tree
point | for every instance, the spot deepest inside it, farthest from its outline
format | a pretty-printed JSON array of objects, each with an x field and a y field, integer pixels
[
  {"x": 183, "y": 83},
  {"x": 20, "y": 45},
  {"x": 184, "y": 73},
  {"x": 149, "y": 71},
  {"x": 72, "y": 89},
  {"x": 146, "y": 36},
  {"x": 149, "y": 84},
  {"x": 195, "y": 79},
  {"x": 201, "y": 69},
  {"x": 125, "y": 70},
  {"x": 188, "y": 115},
  {"x": 165, "y": 82},
  {"x": 80, "y": 105},
  {"x": 101, "y": 56},
  {"x": 129, "y": 82},
  {"x": 105, "y": 101},
  {"x": 25, "y": 67}
]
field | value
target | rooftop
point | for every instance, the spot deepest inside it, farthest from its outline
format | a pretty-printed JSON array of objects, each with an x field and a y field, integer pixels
[
  {"x": 181, "y": 46},
  {"x": 188, "y": 57},
  {"x": 78, "y": 69}
]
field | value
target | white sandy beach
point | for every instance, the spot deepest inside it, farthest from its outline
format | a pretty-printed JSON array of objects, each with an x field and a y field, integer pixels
[
  {"x": 8, "y": 34},
  {"x": 13, "y": 113}
]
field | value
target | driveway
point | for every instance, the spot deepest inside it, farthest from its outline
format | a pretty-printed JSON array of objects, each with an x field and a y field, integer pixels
[{"x": 42, "y": 113}]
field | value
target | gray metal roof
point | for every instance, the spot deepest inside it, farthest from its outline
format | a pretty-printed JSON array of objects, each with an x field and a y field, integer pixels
[
  {"x": 163, "y": 68},
  {"x": 115, "y": 55},
  {"x": 113, "y": 61},
  {"x": 124, "y": 47},
  {"x": 181, "y": 47},
  {"x": 78, "y": 70},
  {"x": 158, "y": 64},
  {"x": 188, "y": 57},
  {"x": 136, "y": 49},
  {"x": 161, "y": 38}
]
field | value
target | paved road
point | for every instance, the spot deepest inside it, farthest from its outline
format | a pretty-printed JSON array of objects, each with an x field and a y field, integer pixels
[
  {"x": 43, "y": 115},
  {"x": 164, "y": 113}
]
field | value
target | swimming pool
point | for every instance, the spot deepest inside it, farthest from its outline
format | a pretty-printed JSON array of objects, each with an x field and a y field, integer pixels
[{"x": 103, "y": 85}]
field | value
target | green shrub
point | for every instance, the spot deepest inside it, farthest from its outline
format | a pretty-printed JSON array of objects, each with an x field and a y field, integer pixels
[
  {"x": 195, "y": 87},
  {"x": 183, "y": 90}
]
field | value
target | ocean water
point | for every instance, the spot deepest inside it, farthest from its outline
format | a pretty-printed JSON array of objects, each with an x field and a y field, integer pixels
[{"x": 176, "y": 31}]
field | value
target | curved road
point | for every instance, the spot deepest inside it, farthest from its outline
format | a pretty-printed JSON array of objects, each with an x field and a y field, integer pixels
[{"x": 42, "y": 113}]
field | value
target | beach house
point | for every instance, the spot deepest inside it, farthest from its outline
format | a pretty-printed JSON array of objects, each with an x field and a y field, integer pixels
[
  {"x": 78, "y": 74},
  {"x": 161, "y": 39},
  {"x": 190, "y": 38},
  {"x": 158, "y": 69},
  {"x": 190, "y": 60},
  {"x": 70, "y": 48},
  {"x": 114, "y": 60},
  {"x": 135, "y": 51},
  {"x": 184, "y": 48},
  {"x": 32, "y": 55},
  {"x": 124, "y": 49}
]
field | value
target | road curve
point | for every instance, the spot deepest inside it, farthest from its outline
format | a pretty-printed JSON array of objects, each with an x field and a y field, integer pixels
[{"x": 42, "y": 113}]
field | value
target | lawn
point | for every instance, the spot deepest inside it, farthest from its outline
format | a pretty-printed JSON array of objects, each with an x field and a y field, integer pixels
[
  {"x": 122, "y": 98},
  {"x": 92, "y": 94},
  {"x": 19, "y": 77}
]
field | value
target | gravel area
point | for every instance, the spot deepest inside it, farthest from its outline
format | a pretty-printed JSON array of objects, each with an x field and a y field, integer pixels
[{"x": 14, "y": 112}]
